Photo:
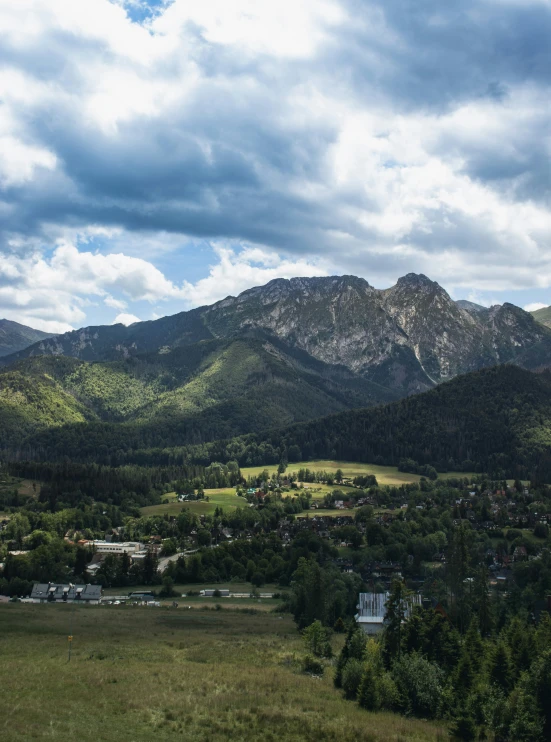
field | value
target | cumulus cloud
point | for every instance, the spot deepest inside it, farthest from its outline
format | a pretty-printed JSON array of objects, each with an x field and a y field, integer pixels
[
  {"x": 320, "y": 136},
  {"x": 535, "y": 306},
  {"x": 126, "y": 319},
  {"x": 115, "y": 303},
  {"x": 237, "y": 271}
]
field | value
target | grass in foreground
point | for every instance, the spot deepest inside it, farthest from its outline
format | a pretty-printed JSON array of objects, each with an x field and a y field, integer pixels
[{"x": 148, "y": 673}]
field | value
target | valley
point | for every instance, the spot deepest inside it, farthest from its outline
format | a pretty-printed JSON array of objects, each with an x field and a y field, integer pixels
[{"x": 302, "y": 446}]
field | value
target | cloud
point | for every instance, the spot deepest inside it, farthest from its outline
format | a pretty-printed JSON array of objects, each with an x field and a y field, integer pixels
[
  {"x": 237, "y": 271},
  {"x": 329, "y": 136},
  {"x": 115, "y": 303},
  {"x": 535, "y": 306},
  {"x": 60, "y": 288},
  {"x": 126, "y": 319}
]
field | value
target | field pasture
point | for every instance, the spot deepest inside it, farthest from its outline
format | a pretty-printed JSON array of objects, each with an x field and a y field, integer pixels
[
  {"x": 350, "y": 469},
  {"x": 223, "y": 498},
  {"x": 228, "y": 500},
  {"x": 139, "y": 674}
]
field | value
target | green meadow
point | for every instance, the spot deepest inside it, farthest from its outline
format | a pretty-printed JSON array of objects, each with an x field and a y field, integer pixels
[
  {"x": 228, "y": 500},
  {"x": 223, "y": 498},
  {"x": 350, "y": 469},
  {"x": 142, "y": 674}
]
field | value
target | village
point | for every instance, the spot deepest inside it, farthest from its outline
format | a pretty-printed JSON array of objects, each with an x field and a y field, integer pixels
[{"x": 359, "y": 521}]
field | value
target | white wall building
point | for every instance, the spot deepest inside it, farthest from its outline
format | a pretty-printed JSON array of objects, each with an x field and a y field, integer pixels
[
  {"x": 114, "y": 547},
  {"x": 372, "y": 610}
]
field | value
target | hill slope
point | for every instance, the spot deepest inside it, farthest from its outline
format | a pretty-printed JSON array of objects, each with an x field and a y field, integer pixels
[
  {"x": 15, "y": 337},
  {"x": 496, "y": 420},
  {"x": 407, "y": 338},
  {"x": 543, "y": 316},
  {"x": 209, "y": 390}
]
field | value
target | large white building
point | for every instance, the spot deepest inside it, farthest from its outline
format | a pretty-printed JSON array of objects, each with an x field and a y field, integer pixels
[
  {"x": 114, "y": 547},
  {"x": 372, "y": 610},
  {"x": 52, "y": 592}
]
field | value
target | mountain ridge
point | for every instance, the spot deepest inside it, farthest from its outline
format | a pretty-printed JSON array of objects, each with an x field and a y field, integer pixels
[
  {"x": 407, "y": 338},
  {"x": 212, "y": 389},
  {"x": 543, "y": 316},
  {"x": 15, "y": 337}
]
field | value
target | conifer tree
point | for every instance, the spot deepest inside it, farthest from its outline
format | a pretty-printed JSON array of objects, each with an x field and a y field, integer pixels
[
  {"x": 368, "y": 693},
  {"x": 500, "y": 667}
]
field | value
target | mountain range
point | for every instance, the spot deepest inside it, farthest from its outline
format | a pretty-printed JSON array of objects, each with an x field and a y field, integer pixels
[
  {"x": 15, "y": 337},
  {"x": 407, "y": 338},
  {"x": 290, "y": 351}
]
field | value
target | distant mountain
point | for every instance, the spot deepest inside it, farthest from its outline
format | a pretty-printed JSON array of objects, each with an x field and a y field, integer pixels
[
  {"x": 496, "y": 420},
  {"x": 15, "y": 337},
  {"x": 406, "y": 338},
  {"x": 470, "y": 306},
  {"x": 543, "y": 316},
  {"x": 212, "y": 389}
]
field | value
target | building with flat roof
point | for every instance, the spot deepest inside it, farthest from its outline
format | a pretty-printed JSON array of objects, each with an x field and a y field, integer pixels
[
  {"x": 55, "y": 593},
  {"x": 372, "y": 610},
  {"x": 116, "y": 547}
]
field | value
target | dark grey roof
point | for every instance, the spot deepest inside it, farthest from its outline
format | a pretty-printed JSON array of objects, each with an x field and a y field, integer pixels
[{"x": 62, "y": 593}]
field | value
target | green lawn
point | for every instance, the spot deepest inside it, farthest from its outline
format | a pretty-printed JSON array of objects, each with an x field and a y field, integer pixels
[{"x": 140, "y": 674}]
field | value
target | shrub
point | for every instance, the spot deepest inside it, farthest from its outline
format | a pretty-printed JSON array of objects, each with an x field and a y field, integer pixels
[
  {"x": 312, "y": 666},
  {"x": 420, "y": 685},
  {"x": 352, "y": 677},
  {"x": 316, "y": 637}
]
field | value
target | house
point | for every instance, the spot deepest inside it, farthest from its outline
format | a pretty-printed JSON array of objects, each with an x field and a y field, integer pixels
[
  {"x": 54, "y": 593},
  {"x": 520, "y": 554},
  {"x": 372, "y": 610},
  {"x": 224, "y": 593}
]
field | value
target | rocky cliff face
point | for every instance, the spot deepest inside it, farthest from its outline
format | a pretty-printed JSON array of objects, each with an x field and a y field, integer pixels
[
  {"x": 410, "y": 336},
  {"x": 407, "y": 338}
]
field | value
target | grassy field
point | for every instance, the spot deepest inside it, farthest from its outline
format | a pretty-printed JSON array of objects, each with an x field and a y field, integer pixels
[
  {"x": 234, "y": 587},
  {"x": 318, "y": 491},
  {"x": 384, "y": 474},
  {"x": 224, "y": 498},
  {"x": 228, "y": 500},
  {"x": 200, "y": 602},
  {"x": 140, "y": 674},
  {"x": 327, "y": 512}
]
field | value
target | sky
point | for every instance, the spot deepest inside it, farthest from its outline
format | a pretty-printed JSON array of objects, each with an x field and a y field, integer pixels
[{"x": 160, "y": 155}]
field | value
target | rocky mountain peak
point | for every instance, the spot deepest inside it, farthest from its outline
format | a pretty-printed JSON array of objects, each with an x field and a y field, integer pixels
[
  {"x": 416, "y": 280},
  {"x": 407, "y": 337}
]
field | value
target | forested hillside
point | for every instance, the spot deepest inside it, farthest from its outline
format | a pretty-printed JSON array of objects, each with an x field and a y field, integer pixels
[
  {"x": 211, "y": 390},
  {"x": 15, "y": 337},
  {"x": 407, "y": 338},
  {"x": 496, "y": 420}
]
